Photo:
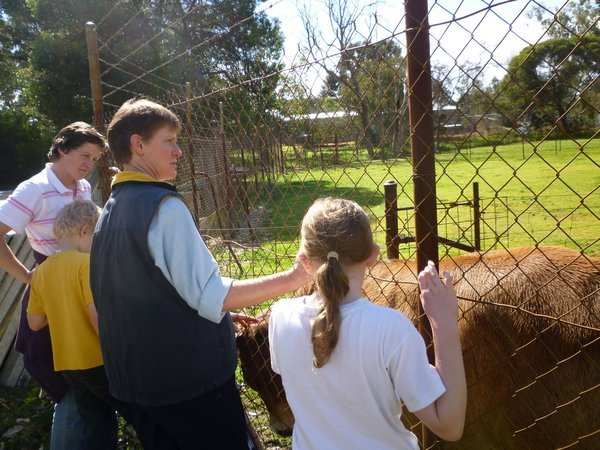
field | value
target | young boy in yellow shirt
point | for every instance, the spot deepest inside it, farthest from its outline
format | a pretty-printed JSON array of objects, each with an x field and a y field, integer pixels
[{"x": 61, "y": 299}]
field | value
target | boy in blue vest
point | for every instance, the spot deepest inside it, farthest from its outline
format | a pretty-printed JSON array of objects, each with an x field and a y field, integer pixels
[
  {"x": 61, "y": 299},
  {"x": 165, "y": 330}
]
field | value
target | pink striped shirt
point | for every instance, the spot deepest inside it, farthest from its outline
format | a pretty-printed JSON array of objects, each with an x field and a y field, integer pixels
[{"x": 33, "y": 206}]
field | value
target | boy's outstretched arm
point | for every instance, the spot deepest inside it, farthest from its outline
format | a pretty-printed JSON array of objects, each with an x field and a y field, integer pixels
[{"x": 446, "y": 416}]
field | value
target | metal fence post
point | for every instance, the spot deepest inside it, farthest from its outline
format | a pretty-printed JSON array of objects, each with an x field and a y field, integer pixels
[
  {"x": 390, "y": 189},
  {"x": 476, "y": 217},
  {"x": 229, "y": 201},
  {"x": 422, "y": 150}
]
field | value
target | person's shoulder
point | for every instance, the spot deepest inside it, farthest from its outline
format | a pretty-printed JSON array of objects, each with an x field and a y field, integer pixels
[
  {"x": 385, "y": 313},
  {"x": 173, "y": 209},
  {"x": 84, "y": 185},
  {"x": 39, "y": 274},
  {"x": 288, "y": 305},
  {"x": 80, "y": 258},
  {"x": 173, "y": 203},
  {"x": 35, "y": 183},
  {"x": 70, "y": 257}
]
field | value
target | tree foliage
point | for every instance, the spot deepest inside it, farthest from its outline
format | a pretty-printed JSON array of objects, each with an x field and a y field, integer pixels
[
  {"x": 371, "y": 78},
  {"x": 553, "y": 82},
  {"x": 147, "y": 48},
  {"x": 367, "y": 77},
  {"x": 577, "y": 17}
]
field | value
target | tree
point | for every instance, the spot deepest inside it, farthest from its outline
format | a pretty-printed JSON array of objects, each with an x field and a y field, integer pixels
[
  {"x": 25, "y": 134},
  {"x": 553, "y": 82},
  {"x": 572, "y": 18},
  {"x": 371, "y": 82},
  {"x": 16, "y": 30},
  {"x": 147, "y": 47},
  {"x": 370, "y": 75}
]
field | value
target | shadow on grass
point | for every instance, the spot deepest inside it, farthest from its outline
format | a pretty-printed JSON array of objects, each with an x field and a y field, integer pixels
[{"x": 288, "y": 202}]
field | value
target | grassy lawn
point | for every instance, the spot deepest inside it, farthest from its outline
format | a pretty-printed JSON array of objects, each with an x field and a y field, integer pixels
[
  {"x": 26, "y": 418},
  {"x": 534, "y": 193}
]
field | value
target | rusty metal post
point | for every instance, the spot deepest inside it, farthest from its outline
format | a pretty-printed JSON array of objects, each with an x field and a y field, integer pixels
[
  {"x": 390, "y": 189},
  {"x": 101, "y": 173},
  {"x": 190, "y": 156},
  {"x": 422, "y": 150}
]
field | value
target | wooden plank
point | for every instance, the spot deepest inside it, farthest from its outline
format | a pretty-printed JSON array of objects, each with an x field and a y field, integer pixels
[
  {"x": 13, "y": 370},
  {"x": 11, "y": 289},
  {"x": 13, "y": 295},
  {"x": 8, "y": 337}
]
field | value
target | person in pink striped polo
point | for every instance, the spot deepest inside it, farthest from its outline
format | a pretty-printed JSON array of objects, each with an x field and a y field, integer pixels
[{"x": 32, "y": 209}]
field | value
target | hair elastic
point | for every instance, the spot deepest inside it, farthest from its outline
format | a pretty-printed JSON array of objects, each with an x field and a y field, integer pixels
[{"x": 332, "y": 255}]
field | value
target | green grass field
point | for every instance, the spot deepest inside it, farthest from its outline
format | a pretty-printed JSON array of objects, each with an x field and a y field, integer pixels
[{"x": 531, "y": 194}]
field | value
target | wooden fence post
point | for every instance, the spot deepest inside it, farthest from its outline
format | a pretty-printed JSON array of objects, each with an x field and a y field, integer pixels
[{"x": 101, "y": 175}]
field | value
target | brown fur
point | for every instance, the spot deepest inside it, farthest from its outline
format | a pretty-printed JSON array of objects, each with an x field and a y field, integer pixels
[{"x": 529, "y": 331}]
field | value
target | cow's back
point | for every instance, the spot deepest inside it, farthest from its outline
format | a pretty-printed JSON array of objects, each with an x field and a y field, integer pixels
[{"x": 529, "y": 322}]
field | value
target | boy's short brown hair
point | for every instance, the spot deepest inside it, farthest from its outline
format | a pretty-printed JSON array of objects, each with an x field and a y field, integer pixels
[
  {"x": 75, "y": 216},
  {"x": 74, "y": 136},
  {"x": 137, "y": 116}
]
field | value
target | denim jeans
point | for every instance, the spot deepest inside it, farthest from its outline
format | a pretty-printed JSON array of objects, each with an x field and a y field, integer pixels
[
  {"x": 67, "y": 426},
  {"x": 97, "y": 408}
]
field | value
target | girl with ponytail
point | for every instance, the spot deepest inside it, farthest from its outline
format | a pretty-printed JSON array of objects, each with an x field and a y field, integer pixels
[{"x": 348, "y": 365}]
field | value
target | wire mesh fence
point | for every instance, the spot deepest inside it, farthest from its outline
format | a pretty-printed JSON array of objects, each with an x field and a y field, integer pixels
[{"x": 267, "y": 130}]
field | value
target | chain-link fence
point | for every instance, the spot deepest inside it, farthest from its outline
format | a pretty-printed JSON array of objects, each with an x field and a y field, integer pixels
[{"x": 481, "y": 117}]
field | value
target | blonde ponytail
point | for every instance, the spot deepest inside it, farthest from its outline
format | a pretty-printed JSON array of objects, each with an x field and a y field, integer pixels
[
  {"x": 335, "y": 232},
  {"x": 332, "y": 283}
]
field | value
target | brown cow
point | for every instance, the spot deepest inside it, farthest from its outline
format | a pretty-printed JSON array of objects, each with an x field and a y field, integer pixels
[{"x": 529, "y": 325}]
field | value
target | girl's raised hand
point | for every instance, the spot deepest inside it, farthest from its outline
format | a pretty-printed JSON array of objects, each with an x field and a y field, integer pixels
[{"x": 438, "y": 298}]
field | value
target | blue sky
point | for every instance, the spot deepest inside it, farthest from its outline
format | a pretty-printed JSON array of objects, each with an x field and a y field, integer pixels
[{"x": 489, "y": 38}]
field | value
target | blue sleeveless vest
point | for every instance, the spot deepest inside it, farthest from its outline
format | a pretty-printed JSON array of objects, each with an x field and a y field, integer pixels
[{"x": 157, "y": 350}]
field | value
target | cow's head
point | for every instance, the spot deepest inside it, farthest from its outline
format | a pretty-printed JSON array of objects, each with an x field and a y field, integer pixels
[{"x": 255, "y": 360}]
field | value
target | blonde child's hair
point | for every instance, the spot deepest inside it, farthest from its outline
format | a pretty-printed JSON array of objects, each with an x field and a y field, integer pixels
[
  {"x": 336, "y": 232},
  {"x": 75, "y": 216}
]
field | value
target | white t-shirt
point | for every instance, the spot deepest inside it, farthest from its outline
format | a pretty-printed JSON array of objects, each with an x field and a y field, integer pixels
[
  {"x": 33, "y": 206},
  {"x": 353, "y": 401}
]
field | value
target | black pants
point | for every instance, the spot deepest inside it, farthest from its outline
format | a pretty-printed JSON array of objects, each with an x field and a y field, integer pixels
[
  {"x": 212, "y": 421},
  {"x": 97, "y": 408}
]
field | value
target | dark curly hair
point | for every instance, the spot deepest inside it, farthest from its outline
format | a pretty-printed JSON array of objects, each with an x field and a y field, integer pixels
[{"x": 74, "y": 136}]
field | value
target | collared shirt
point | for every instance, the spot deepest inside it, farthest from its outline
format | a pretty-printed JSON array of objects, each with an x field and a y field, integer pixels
[{"x": 33, "y": 206}]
